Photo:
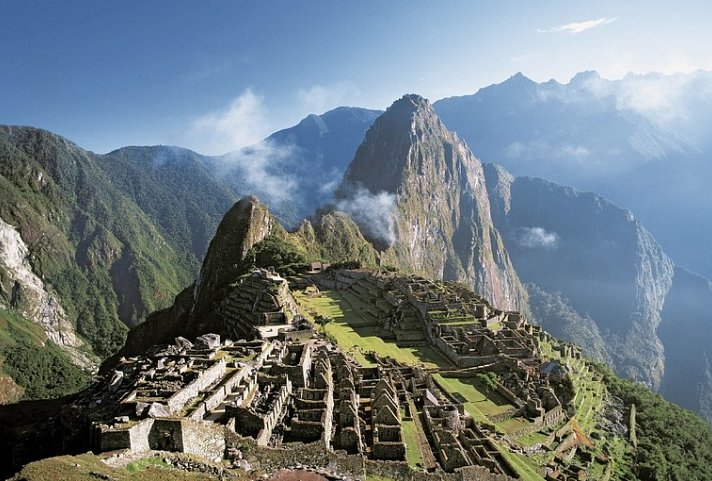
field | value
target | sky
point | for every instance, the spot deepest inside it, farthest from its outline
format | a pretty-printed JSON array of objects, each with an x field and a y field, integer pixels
[{"x": 216, "y": 75}]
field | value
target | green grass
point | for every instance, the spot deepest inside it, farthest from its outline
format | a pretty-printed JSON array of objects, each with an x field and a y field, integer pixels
[
  {"x": 477, "y": 404},
  {"x": 358, "y": 340},
  {"x": 141, "y": 465},
  {"x": 531, "y": 439},
  {"x": 88, "y": 467},
  {"x": 410, "y": 436},
  {"x": 523, "y": 469}
]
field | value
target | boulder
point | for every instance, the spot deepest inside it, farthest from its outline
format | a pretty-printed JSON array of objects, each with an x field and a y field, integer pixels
[
  {"x": 208, "y": 341},
  {"x": 183, "y": 343}
]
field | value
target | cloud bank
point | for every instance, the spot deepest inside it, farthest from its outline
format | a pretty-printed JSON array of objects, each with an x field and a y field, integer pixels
[
  {"x": 578, "y": 27},
  {"x": 261, "y": 168},
  {"x": 374, "y": 213},
  {"x": 243, "y": 122}
]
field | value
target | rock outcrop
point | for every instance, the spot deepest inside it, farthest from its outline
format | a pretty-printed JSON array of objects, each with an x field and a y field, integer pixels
[
  {"x": 22, "y": 290},
  {"x": 418, "y": 192}
]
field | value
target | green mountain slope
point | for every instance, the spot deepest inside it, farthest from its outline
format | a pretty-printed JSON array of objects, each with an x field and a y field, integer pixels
[{"x": 92, "y": 243}]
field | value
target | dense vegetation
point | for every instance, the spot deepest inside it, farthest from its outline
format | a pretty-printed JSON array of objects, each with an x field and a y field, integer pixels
[
  {"x": 107, "y": 233},
  {"x": 673, "y": 444},
  {"x": 43, "y": 373},
  {"x": 275, "y": 252}
]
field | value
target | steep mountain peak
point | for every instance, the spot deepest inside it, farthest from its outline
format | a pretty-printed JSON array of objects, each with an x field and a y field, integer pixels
[
  {"x": 417, "y": 191},
  {"x": 519, "y": 80},
  {"x": 245, "y": 224},
  {"x": 409, "y": 108},
  {"x": 390, "y": 143}
]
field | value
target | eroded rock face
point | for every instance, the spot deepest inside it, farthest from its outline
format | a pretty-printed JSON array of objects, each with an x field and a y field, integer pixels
[
  {"x": 22, "y": 290},
  {"x": 434, "y": 211},
  {"x": 26, "y": 292}
]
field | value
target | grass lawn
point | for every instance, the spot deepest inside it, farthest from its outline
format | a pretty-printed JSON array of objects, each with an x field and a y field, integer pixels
[
  {"x": 524, "y": 470},
  {"x": 412, "y": 448},
  {"x": 513, "y": 425},
  {"x": 532, "y": 438},
  {"x": 357, "y": 340},
  {"x": 479, "y": 405},
  {"x": 87, "y": 467}
]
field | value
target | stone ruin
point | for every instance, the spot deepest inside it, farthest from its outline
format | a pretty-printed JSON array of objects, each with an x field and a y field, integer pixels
[{"x": 285, "y": 391}]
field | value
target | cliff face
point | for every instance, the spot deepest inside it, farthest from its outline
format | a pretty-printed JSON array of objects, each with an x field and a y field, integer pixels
[
  {"x": 418, "y": 192},
  {"x": 597, "y": 259}
]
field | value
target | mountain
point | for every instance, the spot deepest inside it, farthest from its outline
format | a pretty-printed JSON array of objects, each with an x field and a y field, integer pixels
[
  {"x": 248, "y": 238},
  {"x": 296, "y": 170},
  {"x": 686, "y": 333},
  {"x": 90, "y": 244},
  {"x": 597, "y": 277},
  {"x": 642, "y": 141},
  {"x": 600, "y": 259},
  {"x": 417, "y": 191},
  {"x": 527, "y": 405}
]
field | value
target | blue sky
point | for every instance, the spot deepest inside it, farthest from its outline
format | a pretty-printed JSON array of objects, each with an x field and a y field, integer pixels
[{"x": 217, "y": 75}]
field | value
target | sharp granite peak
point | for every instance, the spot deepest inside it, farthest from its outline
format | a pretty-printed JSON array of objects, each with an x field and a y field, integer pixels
[{"x": 439, "y": 220}]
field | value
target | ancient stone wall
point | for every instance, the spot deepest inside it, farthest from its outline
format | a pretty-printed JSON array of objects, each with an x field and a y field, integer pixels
[
  {"x": 166, "y": 435},
  {"x": 214, "y": 373},
  {"x": 388, "y": 450},
  {"x": 140, "y": 433},
  {"x": 111, "y": 440},
  {"x": 247, "y": 422},
  {"x": 203, "y": 439},
  {"x": 274, "y": 415}
]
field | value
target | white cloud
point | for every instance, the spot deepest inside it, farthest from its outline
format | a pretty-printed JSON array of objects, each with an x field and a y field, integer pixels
[
  {"x": 243, "y": 122},
  {"x": 317, "y": 99},
  {"x": 578, "y": 27},
  {"x": 261, "y": 168},
  {"x": 537, "y": 238},
  {"x": 675, "y": 103},
  {"x": 374, "y": 213}
]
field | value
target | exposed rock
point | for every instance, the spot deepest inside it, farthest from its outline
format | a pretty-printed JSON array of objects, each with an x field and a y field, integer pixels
[
  {"x": 158, "y": 410},
  {"x": 183, "y": 343},
  {"x": 208, "y": 341},
  {"x": 141, "y": 408},
  {"x": 116, "y": 379},
  {"x": 29, "y": 294},
  {"x": 245, "y": 224},
  {"x": 434, "y": 210}
]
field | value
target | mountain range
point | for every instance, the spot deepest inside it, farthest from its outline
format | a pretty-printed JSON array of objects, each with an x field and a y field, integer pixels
[{"x": 111, "y": 238}]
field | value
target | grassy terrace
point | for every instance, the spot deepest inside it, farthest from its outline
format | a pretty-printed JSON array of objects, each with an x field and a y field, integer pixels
[
  {"x": 477, "y": 404},
  {"x": 358, "y": 340},
  {"x": 590, "y": 393},
  {"x": 411, "y": 436}
]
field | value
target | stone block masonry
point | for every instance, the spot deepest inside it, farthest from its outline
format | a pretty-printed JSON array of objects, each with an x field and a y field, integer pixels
[{"x": 206, "y": 378}]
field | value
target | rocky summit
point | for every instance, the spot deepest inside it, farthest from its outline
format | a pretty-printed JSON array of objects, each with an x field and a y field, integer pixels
[{"x": 429, "y": 192}]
